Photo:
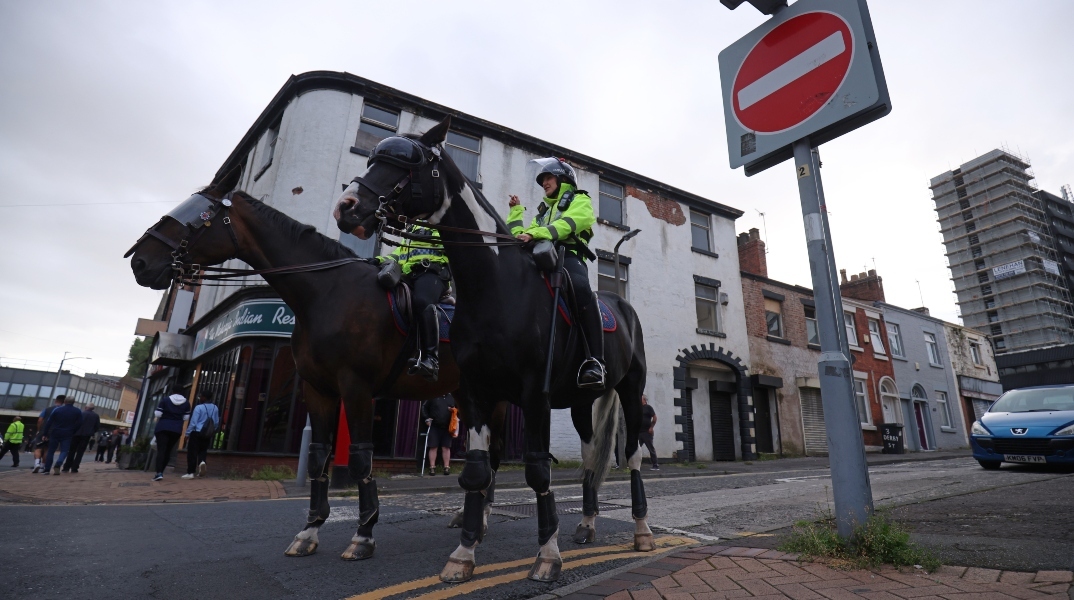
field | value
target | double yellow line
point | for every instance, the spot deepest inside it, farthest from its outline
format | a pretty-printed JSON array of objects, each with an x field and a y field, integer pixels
[{"x": 664, "y": 544}]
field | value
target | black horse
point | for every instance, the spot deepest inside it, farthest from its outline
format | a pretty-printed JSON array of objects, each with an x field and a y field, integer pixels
[
  {"x": 500, "y": 339},
  {"x": 344, "y": 342}
]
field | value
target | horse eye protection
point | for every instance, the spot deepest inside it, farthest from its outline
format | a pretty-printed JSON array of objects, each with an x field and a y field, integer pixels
[
  {"x": 399, "y": 151},
  {"x": 193, "y": 212}
]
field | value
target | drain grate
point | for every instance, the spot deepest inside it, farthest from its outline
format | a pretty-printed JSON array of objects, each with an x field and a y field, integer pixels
[
  {"x": 135, "y": 484},
  {"x": 565, "y": 507}
]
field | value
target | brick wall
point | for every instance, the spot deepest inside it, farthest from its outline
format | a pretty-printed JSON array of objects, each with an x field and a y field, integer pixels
[
  {"x": 875, "y": 366},
  {"x": 751, "y": 253},
  {"x": 659, "y": 207},
  {"x": 867, "y": 287}
]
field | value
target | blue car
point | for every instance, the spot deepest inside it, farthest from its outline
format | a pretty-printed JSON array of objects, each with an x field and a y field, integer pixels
[{"x": 1029, "y": 426}]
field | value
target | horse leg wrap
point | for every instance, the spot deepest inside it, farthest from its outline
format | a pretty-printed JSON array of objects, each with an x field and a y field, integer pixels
[
  {"x": 589, "y": 494},
  {"x": 539, "y": 470},
  {"x": 360, "y": 464},
  {"x": 318, "y": 458},
  {"x": 476, "y": 475},
  {"x": 547, "y": 520},
  {"x": 638, "y": 507},
  {"x": 473, "y": 516}
]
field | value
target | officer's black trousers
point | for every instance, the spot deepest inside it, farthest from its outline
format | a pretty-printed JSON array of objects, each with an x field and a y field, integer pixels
[{"x": 587, "y": 304}]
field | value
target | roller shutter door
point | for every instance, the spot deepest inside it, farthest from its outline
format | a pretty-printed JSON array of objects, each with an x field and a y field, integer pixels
[{"x": 816, "y": 436}]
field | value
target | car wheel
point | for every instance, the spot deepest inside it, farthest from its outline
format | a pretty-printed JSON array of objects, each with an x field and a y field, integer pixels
[{"x": 990, "y": 465}]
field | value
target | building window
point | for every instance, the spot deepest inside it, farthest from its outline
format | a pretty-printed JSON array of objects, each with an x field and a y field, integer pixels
[
  {"x": 811, "y": 331},
  {"x": 270, "y": 147},
  {"x": 611, "y": 202},
  {"x": 945, "y": 410},
  {"x": 852, "y": 332},
  {"x": 979, "y": 265},
  {"x": 982, "y": 277},
  {"x": 970, "y": 227},
  {"x": 997, "y": 329},
  {"x": 990, "y": 303},
  {"x": 465, "y": 150},
  {"x": 773, "y": 316},
  {"x": 874, "y": 337},
  {"x": 895, "y": 338},
  {"x": 975, "y": 251},
  {"x": 975, "y": 353},
  {"x": 933, "y": 348},
  {"x": 706, "y": 299},
  {"x": 606, "y": 276},
  {"x": 861, "y": 400},
  {"x": 889, "y": 401},
  {"x": 986, "y": 290},
  {"x": 974, "y": 240},
  {"x": 377, "y": 124},
  {"x": 999, "y": 343},
  {"x": 699, "y": 231}
]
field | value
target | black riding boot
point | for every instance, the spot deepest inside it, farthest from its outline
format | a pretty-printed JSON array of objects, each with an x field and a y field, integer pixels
[
  {"x": 591, "y": 373},
  {"x": 428, "y": 362}
]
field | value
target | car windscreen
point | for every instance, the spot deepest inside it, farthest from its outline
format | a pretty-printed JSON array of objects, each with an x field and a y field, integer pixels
[{"x": 1038, "y": 400}]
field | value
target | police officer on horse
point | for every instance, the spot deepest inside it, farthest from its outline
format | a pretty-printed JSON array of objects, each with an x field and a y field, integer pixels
[
  {"x": 566, "y": 218},
  {"x": 425, "y": 268}
]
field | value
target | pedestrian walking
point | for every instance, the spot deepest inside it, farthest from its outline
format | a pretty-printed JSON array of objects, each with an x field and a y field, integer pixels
[
  {"x": 91, "y": 422},
  {"x": 645, "y": 436},
  {"x": 39, "y": 443},
  {"x": 104, "y": 444},
  {"x": 113, "y": 447},
  {"x": 13, "y": 439},
  {"x": 170, "y": 413},
  {"x": 199, "y": 434},
  {"x": 438, "y": 417},
  {"x": 59, "y": 432}
]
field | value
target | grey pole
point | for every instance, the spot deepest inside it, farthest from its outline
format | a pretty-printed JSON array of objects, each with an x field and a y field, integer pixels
[
  {"x": 304, "y": 453},
  {"x": 846, "y": 449},
  {"x": 833, "y": 273}
]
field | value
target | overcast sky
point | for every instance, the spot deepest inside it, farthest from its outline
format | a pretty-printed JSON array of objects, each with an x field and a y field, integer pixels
[{"x": 111, "y": 112}]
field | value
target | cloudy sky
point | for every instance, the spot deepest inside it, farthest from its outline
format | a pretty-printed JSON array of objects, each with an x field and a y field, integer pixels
[{"x": 110, "y": 112}]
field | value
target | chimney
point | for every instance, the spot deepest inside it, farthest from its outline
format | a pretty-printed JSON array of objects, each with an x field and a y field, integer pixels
[
  {"x": 866, "y": 286},
  {"x": 751, "y": 253},
  {"x": 923, "y": 310}
]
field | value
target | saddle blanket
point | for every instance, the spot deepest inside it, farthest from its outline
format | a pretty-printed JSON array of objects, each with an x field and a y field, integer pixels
[
  {"x": 607, "y": 317},
  {"x": 446, "y": 313}
]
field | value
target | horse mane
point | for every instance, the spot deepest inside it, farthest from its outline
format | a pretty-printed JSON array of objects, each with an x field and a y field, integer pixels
[{"x": 299, "y": 232}]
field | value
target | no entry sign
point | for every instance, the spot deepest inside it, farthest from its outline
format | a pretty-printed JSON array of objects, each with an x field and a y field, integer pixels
[{"x": 812, "y": 70}]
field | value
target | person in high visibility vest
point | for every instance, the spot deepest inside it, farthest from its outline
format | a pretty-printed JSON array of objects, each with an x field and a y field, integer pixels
[
  {"x": 425, "y": 267},
  {"x": 12, "y": 440}
]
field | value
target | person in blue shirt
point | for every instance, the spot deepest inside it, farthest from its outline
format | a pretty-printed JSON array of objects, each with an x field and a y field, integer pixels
[
  {"x": 59, "y": 431},
  {"x": 39, "y": 444},
  {"x": 199, "y": 433}
]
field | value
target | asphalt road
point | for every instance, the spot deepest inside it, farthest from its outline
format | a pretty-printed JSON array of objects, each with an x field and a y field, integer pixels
[{"x": 1016, "y": 518}]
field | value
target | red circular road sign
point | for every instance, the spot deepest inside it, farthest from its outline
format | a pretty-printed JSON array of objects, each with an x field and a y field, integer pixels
[{"x": 792, "y": 72}]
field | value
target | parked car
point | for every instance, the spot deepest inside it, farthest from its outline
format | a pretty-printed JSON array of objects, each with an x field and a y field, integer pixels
[{"x": 1029, "y": 425}]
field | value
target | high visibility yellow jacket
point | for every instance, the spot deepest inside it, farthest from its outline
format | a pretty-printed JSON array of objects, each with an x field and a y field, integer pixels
[
  {"x": 14, "y": 432},
  {"x": 552, "y": 224},
  {"x": 413, "y": 252}
]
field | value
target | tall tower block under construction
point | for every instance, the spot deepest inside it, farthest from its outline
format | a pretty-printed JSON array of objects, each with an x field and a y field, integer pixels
[{"x": 1002, "y": 254}]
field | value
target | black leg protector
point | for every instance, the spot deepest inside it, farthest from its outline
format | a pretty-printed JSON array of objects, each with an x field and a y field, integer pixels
[
  {"x": 361, "y": 470},
  {"x": 476, "y": 475},
  {"x": 589, "y": 494},
  {"x": 318, "y": 474},
  {"x": 539, "y": 478},
  {"x": 638, "y": 507},
  {"x": 547, "y": 520},
  {"x": 473, "y": 519}
]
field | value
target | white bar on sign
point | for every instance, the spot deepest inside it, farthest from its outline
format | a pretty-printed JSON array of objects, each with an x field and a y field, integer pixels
[{"x": 814, "y": 56}]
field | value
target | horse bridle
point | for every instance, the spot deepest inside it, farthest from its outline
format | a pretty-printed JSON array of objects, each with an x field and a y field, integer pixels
[{"x": 196, "y": 213}]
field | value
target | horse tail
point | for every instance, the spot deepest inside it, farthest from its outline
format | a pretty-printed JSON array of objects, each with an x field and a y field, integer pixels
[{"x": 605, "y": 424}]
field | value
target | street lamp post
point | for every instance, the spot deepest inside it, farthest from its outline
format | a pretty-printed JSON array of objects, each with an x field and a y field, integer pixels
[
  {"x": 618, "y": 281},
  {"x": 56, "y": 384}
]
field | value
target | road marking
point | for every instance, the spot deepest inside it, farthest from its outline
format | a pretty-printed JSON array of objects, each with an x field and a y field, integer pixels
[
  {"x": 795, "y": 68},
  {"x": 668, "y": 543}
]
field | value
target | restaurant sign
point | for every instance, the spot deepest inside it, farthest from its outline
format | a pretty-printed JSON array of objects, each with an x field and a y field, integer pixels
[{"x": 270, "y": 318}]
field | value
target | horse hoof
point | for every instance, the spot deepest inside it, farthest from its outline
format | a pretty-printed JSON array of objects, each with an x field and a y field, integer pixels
[
  {"x": 301, "y": 548},
  {"x": 643, "y": 542},
  {"x": 457, "y": 570},
  {"x": 359, "y": 550},
  {"x": 585, "y": 535},
  {"x": 546, "y": 569}
]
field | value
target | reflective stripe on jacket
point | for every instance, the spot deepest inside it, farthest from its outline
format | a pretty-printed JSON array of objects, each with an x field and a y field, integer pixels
[
  {"x": 554, "y": 225},
  {"x": 14, "y": 432},
  {"x": 413, "y": 252}
]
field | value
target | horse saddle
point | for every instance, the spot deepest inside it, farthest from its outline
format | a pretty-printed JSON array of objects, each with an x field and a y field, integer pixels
[
  {"x": 399, "y": 299},
  {"x": 607, "y": 317}
]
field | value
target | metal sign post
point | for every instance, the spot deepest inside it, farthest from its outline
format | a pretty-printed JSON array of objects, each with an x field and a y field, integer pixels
[
  {"x": 851, "y": 491},
  {"x": 808, "y": 75}
]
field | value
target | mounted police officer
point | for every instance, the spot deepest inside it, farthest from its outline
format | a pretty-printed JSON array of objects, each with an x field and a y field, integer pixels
[
  {"x": 566, "y": 218},
  {"x": 425, "y": 268}
]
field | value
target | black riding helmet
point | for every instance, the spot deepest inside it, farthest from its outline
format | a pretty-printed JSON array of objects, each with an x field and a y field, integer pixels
[
  {"x": 557, "y": 167},
  {"x": 399, "y": 151}
]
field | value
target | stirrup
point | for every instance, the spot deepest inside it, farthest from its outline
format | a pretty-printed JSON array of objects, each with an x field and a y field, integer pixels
[{"x": 594, "y": 385}]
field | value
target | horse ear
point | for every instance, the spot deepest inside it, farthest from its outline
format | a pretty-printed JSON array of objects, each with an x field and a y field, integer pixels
[{"x": 437, "y": 134}]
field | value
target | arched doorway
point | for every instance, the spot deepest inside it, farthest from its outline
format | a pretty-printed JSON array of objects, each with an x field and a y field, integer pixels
[
  {"x": 889, "y": 400},
  {"x": 714, "y": 397},
  {"x": 920, "y": 418}
]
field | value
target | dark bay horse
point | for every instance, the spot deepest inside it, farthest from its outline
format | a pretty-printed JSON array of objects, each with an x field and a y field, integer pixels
[
  {"x": 344, "y": 340},
  {"x": 500, "y": 339}
]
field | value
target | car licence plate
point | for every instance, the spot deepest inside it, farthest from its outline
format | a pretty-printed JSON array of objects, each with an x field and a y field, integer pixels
[{"x": 1023, "y": 458}]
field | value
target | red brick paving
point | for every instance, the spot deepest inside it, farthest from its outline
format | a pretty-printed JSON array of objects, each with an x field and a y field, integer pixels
[{"x": 716, "y": 572}]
